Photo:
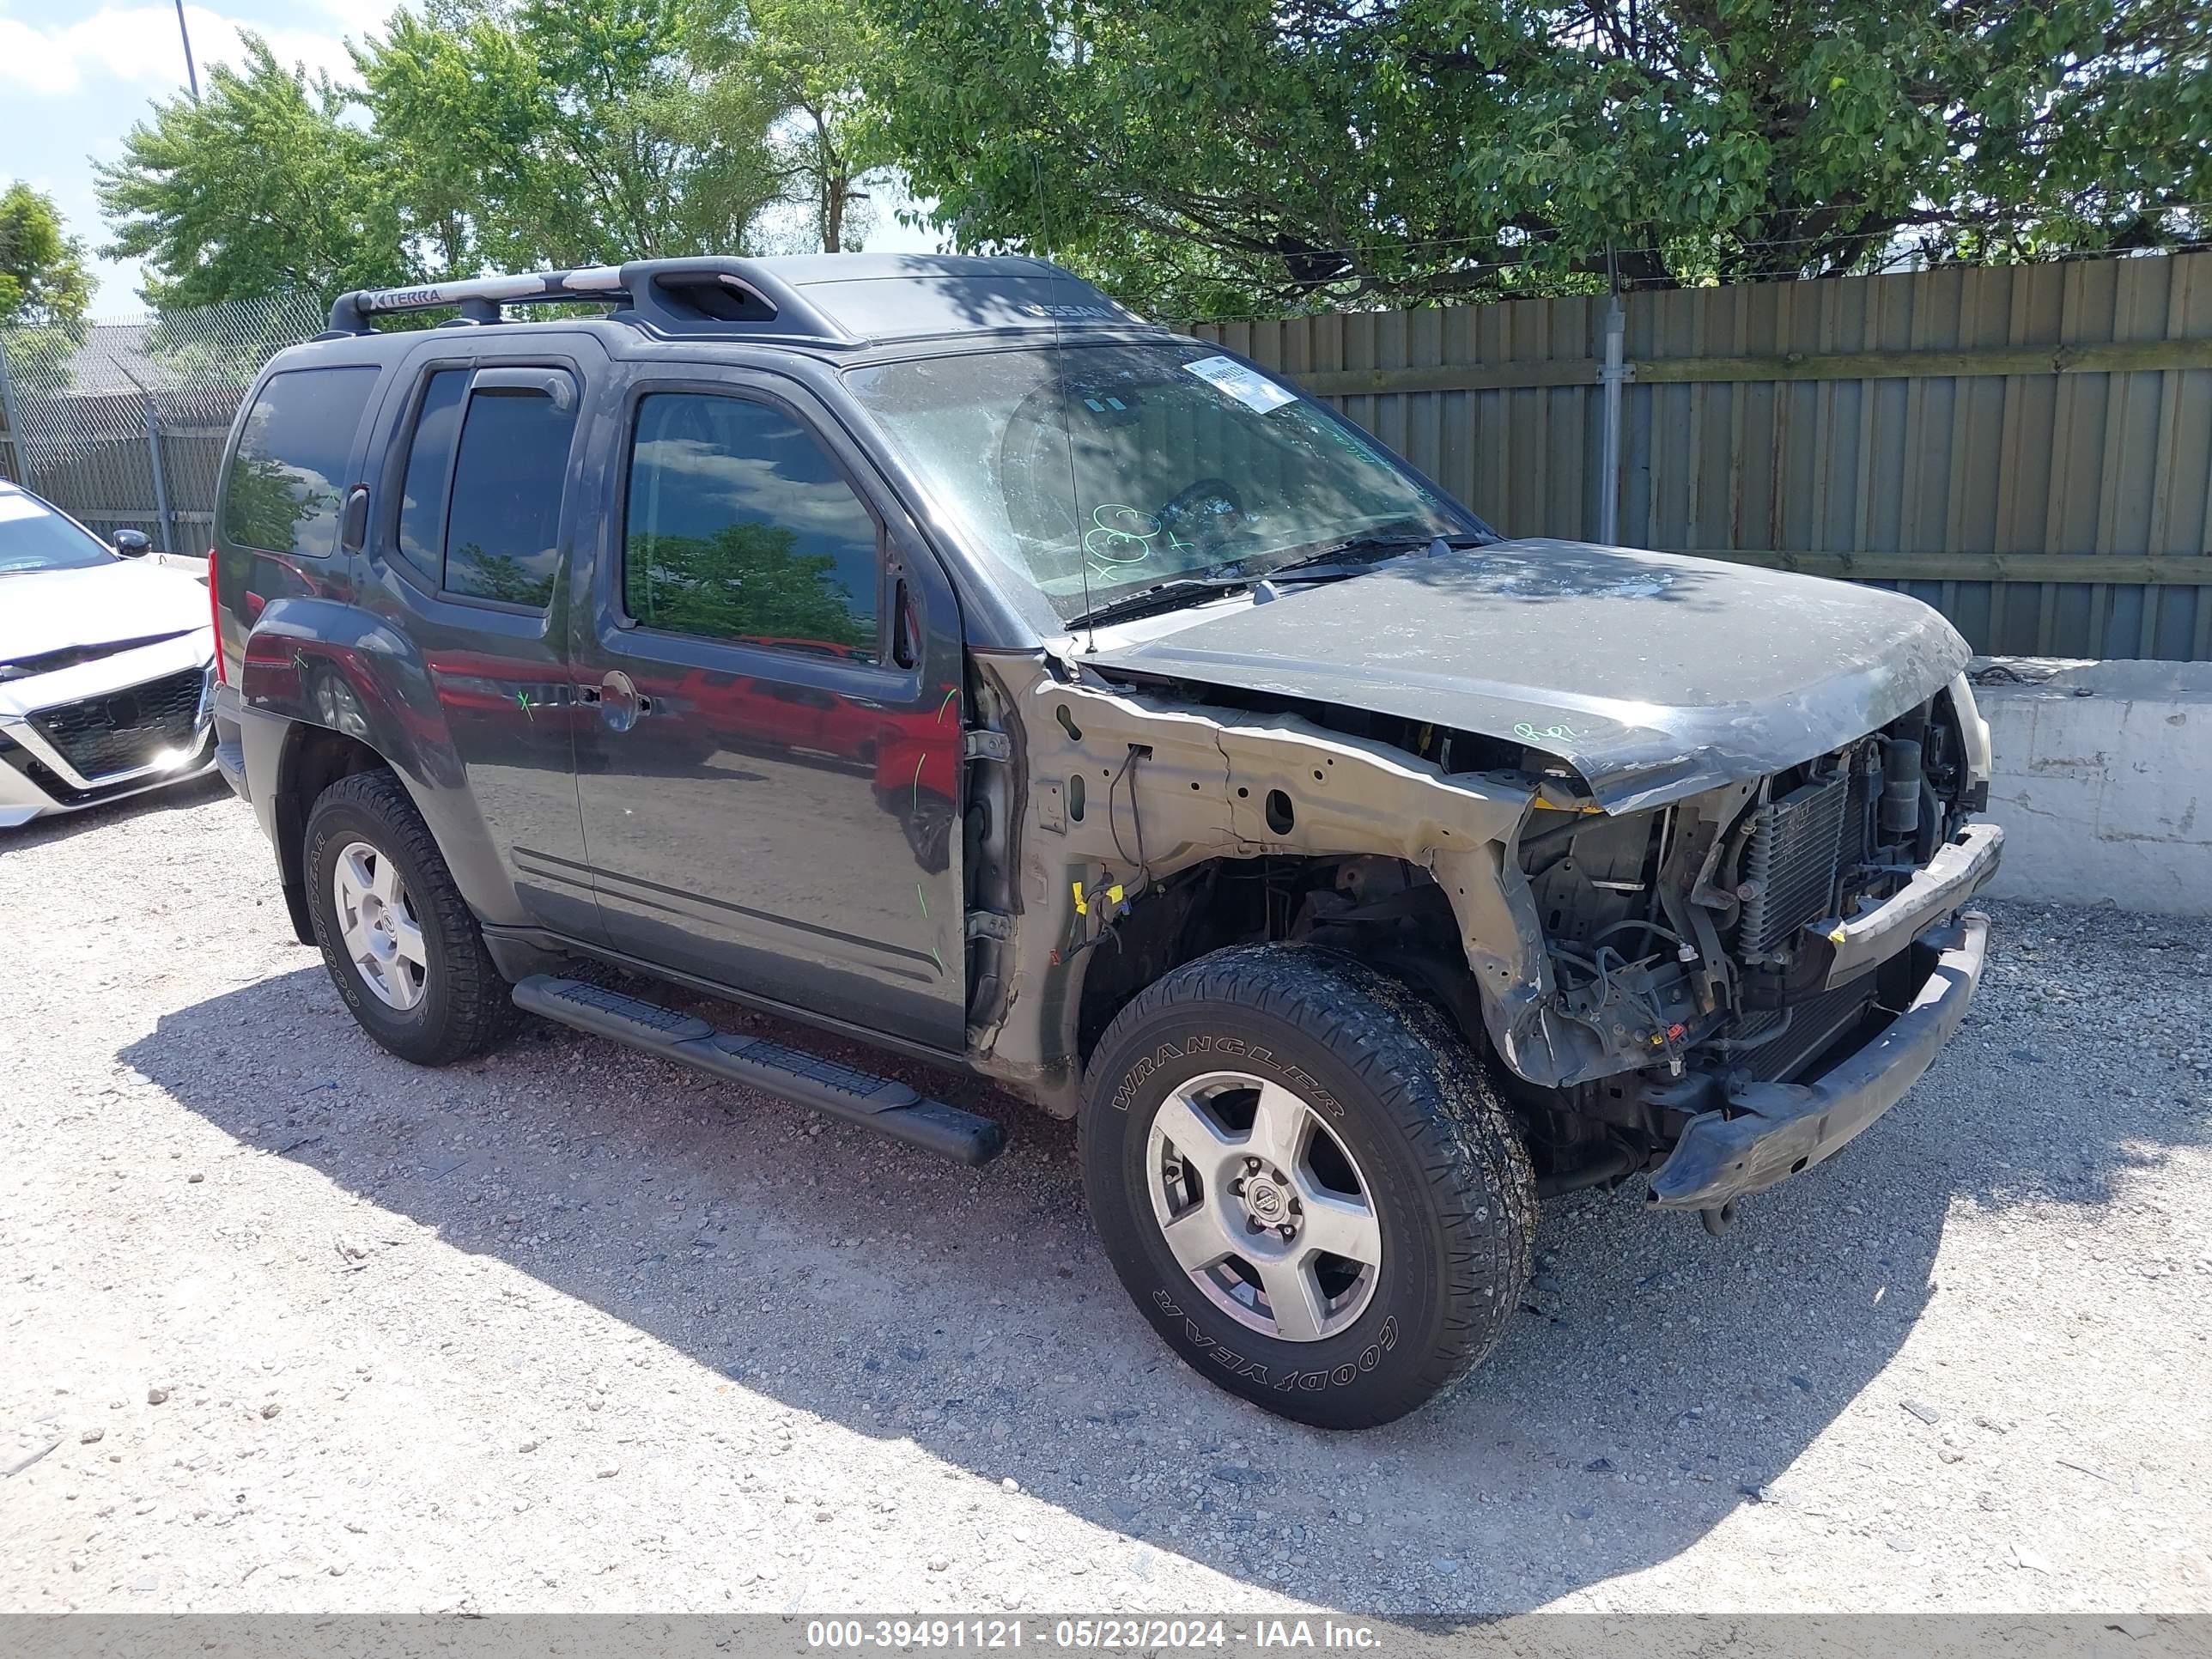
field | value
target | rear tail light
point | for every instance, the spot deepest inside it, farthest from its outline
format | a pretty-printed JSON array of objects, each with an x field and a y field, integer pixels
[{"x": 215, "y": 621}]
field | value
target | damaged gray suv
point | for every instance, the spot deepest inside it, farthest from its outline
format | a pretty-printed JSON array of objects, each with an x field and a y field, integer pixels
[{"x": 929, "y": 651}]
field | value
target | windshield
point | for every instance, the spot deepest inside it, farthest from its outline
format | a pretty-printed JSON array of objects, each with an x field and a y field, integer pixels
[
  {"x": 34, "y": 536},
  {"x": 1099, "y": 472}
]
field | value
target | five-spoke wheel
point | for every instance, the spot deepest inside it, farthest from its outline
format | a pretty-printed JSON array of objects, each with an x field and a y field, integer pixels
[
  {"x": 377, "y": 921},
  {"x": 1264, "y": 1207}
]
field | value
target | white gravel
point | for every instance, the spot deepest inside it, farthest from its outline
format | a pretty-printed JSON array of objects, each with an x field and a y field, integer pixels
[{"x": 287, "y": 1324}]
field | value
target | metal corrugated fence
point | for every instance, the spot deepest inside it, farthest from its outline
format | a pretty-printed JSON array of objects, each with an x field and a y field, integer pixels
[{"x": 2027, "y": 447}]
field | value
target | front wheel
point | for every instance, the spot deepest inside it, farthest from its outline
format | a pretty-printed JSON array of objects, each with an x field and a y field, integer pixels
[
  {"x": 1307, "y": 1182},
  {"x": 399, "y": 941}
]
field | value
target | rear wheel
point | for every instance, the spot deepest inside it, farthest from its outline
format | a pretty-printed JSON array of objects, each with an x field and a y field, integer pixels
[
  {"x": 1307, "y": 1182},
  {"x": 399, "y": 941}
]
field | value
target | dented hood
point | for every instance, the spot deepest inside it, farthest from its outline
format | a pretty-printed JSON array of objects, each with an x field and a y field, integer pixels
[{"x": 1654, "y": 676}]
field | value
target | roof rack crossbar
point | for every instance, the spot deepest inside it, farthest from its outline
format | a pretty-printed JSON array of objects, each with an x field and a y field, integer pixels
[
  {"x": 708, "y": 290},
  {"x": 350, "y": 313}
]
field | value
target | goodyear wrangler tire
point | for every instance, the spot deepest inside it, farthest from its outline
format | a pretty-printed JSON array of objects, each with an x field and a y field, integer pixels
[{"x": 1307, "y": 1182}]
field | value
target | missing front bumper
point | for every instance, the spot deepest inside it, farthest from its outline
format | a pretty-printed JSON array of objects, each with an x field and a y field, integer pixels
[{"x": 1771, "y": 1131}]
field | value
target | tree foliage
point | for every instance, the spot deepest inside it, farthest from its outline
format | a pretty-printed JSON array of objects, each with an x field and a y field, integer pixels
[
  {"x": 265, "y": 502},
  {"x": 747, "y": 582},
  {"x": 481, "y": 135},
  {"x": 42, "y": 277},
  {"x": 1216, "y": 155},
  {"x": 803, "y": 60},
  {"x": 260, "y": 187},
  {"x": 565, "y": 132}
]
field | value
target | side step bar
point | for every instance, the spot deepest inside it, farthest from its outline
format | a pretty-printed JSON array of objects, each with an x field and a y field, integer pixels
[{"x": 874, "y": 1103}]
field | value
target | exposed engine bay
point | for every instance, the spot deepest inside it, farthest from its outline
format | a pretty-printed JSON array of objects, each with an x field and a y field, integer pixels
[
  {"x": 1697, "y": 943},
  {"x": 1629, "y": 968}
]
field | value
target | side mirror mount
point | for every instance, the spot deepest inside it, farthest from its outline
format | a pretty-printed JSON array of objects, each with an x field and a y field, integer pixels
[
  {"x": 132, "y": 544},
  {"x": 906, "y": 637}
]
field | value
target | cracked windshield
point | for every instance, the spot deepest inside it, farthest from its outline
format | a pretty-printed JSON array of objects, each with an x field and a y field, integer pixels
[{"x": 1106, "y": 470}]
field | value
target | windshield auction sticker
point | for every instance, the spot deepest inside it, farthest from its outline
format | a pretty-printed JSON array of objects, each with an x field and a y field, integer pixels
[{"x": 1255, "y": 390}]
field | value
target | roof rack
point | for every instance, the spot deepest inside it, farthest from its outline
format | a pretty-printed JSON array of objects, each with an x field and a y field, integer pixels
[
  {"x": 679, "y": 295},
  {"x": 823, "y": 300}
]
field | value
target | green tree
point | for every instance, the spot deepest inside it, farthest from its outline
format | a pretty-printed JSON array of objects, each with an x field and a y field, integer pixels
[
  {"x": 43, "y": 284},
  {"x": 1216, "y": 155},
  {"x": 265, "y": 502},
  {"x": 263, "y": 185},
  {"x": 746, "y": 581},
  {"x": 500, "y": 576},
  {"x": 563, "y": 132},
  {"x": 802, "y": 60}
]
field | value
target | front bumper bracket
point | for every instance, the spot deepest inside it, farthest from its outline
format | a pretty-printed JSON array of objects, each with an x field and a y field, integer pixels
[{"x": 1770, "y": 1131}]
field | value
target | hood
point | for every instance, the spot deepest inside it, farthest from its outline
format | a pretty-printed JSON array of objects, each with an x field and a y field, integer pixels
[
  {"x": 48, "y": 610},
  {"x": 1654, "y": 676}
]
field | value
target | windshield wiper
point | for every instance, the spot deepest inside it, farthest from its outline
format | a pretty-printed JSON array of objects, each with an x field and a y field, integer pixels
[
  {"x": 1345, "y": 558},
  {"x": 1161, "y": 596}
]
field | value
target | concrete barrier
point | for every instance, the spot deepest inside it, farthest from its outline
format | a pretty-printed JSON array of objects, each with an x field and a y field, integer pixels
[{"x": 2103, "y": 781}]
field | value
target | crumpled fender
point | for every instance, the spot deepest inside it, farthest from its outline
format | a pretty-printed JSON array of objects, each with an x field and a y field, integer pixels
[{"x": 1224, "y": 784}]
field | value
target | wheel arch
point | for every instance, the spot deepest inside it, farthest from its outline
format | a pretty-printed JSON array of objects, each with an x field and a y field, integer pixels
[
  {"x": 1222, "y": 902},
  {"x": 1116, "y": 790},
  {"x": 311, "y": 759}
]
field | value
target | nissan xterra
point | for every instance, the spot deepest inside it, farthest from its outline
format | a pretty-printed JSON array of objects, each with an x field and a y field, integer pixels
[{"x": 930, "y": 651}]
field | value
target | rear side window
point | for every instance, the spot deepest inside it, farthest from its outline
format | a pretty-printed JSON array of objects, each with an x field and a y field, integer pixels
[
  {"x": 282, "y": 492},
  {"x": 480, "y": 507},
  {"x": 741, "y": 527}
]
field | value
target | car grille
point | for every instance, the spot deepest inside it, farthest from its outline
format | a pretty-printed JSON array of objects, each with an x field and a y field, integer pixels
[
  {"x": 1790, "y": 865},
  {"x": 122, "y": 731}
]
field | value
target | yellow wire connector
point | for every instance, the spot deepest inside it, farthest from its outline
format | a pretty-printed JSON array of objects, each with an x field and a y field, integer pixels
[{"x": 1111, "y": 894}]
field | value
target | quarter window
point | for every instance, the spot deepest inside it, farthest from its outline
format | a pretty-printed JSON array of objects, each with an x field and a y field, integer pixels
[
  {"x": 287, "y": 476},
  {"x": 741, "y": 527}
]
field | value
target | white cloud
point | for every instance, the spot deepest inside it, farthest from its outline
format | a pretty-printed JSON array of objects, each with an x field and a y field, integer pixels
[{"x": 139, "y": 46}]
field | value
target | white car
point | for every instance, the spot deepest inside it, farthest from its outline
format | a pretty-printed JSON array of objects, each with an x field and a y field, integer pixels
[{"x": 107, "y": 664}]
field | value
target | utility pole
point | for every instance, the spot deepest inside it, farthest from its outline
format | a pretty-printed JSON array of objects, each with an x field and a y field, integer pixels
[
  {"x": 1610, "y": 378},
  {"x": 192, "y": 74}
]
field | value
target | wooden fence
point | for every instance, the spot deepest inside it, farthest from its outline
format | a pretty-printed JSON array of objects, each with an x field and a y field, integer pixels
[{"x": 2027, "y": 448}]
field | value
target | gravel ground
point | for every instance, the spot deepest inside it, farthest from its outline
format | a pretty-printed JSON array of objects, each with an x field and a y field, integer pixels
[{"x": 287, "y": 1324}]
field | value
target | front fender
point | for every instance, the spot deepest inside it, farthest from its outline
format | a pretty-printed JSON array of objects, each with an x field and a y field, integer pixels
[{"x": 1221, "y": 783}]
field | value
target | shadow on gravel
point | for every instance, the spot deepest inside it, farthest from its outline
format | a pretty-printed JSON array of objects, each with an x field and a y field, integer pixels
[
  {"x": 177, "y": 798},
  {"x": 1660, "y": 1380}
]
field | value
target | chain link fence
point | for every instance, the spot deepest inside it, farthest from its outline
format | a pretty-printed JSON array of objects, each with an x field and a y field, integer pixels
[{"x": 122, "y": 426}]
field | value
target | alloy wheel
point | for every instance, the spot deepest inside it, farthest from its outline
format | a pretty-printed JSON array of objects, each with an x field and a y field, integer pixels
[
  {"x": 1264, "y": 1207},
  {"x": 382, "y": 936}
]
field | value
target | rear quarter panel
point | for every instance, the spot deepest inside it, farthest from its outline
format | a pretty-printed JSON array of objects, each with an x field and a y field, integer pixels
[{"x": 321, "y": 644}]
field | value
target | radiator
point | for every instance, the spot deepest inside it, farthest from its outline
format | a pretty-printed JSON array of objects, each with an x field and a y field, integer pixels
[{"x": 1790, "y": 865}]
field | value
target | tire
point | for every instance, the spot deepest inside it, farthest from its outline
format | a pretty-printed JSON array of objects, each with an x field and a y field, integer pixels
[
  {"x": 450, "y": 1004},
  {"x": 1382, "y": 1092}
]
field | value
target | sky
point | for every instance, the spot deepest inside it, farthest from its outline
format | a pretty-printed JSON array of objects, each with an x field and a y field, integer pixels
[{"x": 76, "y": 75}]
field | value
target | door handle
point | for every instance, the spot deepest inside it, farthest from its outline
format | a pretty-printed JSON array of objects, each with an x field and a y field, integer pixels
[{"x": 618, "y": 700}]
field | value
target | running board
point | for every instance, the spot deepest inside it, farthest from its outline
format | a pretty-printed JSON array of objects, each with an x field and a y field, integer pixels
[{"x": 890, "y": 1108}]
